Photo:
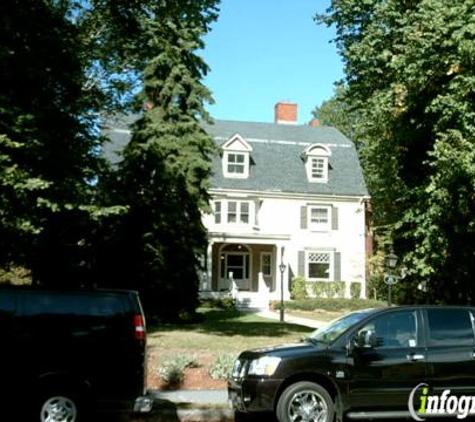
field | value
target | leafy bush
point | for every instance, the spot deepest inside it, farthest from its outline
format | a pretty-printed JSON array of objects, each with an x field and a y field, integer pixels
[
  {"x": 171, "y": 370},
  {"x": 226, "y": 303},
  {"x": 331, "y": 304},
  {"x": 298, "y": 288},
  {"x": 15, "y": 275},
  {"x": 355, "y": 290},
  {"x": 329, "y": 289},
  {"x": 222, "y": 366},
  {"x": 319, "y": 288}
]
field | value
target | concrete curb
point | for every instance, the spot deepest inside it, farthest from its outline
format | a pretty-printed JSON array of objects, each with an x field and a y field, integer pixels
[{"x": 167, "y": 411}]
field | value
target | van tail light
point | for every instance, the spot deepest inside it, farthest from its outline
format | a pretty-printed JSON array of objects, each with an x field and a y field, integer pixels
[{"x": 139, "y": 327}]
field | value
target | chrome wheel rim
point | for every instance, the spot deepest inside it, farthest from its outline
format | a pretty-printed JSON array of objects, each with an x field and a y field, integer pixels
[
  {"x": 307, "y": 406},
  {"x": 58, "y": 409}
]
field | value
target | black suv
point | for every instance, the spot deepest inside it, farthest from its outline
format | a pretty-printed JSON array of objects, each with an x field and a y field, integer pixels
[
  {"x": 365, "y": 365},
  {"x": 64, "y": 354}
]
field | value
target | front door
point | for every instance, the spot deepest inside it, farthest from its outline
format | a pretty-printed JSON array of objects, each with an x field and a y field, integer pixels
[
  {"x": 384, "y": 374},
  {"x": 237, "y": 269}
]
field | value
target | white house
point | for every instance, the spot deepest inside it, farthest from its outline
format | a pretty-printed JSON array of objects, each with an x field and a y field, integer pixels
[{"x": 288, "y": 200}]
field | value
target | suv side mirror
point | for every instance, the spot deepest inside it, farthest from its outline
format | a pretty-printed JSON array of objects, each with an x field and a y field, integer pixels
[{"x": 366, "y": 339}]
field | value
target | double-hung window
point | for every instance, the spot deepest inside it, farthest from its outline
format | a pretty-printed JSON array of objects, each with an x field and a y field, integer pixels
[
  {"x": 238, "y": 212},
  {"x": 236, "y": 158},
  {"x": 236, "y": 163},
  {"x": 232, "y": 212},
  {"x": 317, "y": 157},
  {"x": 319, "y": 218},
  {"x": 319, "y": 266}
]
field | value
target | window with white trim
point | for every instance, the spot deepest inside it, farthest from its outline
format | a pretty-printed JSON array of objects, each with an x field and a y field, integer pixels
[
  {"x": 236, "y": 157},
  {"x": 316, "y": 162},
  {"x": 236, "y": 163},
  {"x": 318, "y": 266},
  {"x": 319, "y": 168},
  {"x": 233, "y": 212},
  {"x": 266, "y": 263},
  {"x": 319, "y": 218}
]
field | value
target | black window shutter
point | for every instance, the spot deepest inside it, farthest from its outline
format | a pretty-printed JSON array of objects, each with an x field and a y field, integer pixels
[
  {"x": 334, "y": 218},
  {"x": 337, "y": 266},
  {"x": 303, "y": 217},
  {"x": 301, "y": 269}
]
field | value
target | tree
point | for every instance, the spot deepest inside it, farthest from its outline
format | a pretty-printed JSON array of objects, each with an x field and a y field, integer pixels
[
  {"x": 163, "y": 178},
  {"x": 67, "y": 215},
  {"x": 338, "y": 113},
  {"x": 409, "y": 70},
  {"x": 46, "y": 146}
]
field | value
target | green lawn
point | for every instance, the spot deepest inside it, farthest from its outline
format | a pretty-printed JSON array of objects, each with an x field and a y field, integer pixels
[{"x": 223, "y": 331}]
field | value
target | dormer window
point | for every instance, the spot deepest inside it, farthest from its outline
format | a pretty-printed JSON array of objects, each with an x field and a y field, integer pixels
[
  {"x": 236, "y": 163},
  {"x": 316, "y": 163},
  {"x": 236, "y": 158}
]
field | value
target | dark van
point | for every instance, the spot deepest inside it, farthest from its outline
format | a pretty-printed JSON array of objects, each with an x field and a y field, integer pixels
[
  {"x": 397, "y": 362},
  {"x": 66, "y": 354}
]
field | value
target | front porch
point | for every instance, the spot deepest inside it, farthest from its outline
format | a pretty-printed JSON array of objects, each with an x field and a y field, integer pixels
[{"x": 247, "y": 271}]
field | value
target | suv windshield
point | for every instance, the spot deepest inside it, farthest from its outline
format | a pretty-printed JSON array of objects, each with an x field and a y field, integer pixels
[{"x": 328, "y": 332}]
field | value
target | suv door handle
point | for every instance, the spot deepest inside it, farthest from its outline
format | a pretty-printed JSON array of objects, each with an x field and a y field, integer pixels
[{"x": 414, "y": 357}]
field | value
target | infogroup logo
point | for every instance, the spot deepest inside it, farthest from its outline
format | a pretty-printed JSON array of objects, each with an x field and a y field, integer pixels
[{"x": 422, "y": 404}]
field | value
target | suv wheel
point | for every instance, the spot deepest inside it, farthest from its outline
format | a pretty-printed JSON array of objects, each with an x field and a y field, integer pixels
[
  {"x": 59, "y": 408},
  {"x": 306, "y": 402}
]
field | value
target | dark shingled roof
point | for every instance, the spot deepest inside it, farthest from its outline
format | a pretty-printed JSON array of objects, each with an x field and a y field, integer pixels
[{"x": 276, "y": 158}]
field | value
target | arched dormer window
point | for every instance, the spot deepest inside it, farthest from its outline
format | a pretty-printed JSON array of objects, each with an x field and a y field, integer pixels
[
  {"x": 316, "y": 162},
  {"x": 236, "y": 157}
]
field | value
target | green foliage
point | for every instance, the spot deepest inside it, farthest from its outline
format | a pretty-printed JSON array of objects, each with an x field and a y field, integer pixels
[
  {"x": 48, "y": 152},
  {"x": 164, "y": 175},
  {"x": 298, "y": 288},
  {"x": 319, "y": 288},
  {"x": 64, "y": 213},
  {"x": 338, "y": 113},
  {"x": 15, "y": 275},
  {"x": 222, "y": 366},
  {"x": 355, "y": 290},
  {"x": 328, "y": 289},
  {"x": 226, "y": 303},
  {"x": 171, "y": 370},
  {"x": 335, "y": 304},
  {"x": 410, "y": 75}
]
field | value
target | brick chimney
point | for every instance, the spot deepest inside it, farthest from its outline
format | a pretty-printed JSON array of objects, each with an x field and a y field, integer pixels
[
  {"x": 314, "y": 123},
  {"x": 286, "y": 113}
]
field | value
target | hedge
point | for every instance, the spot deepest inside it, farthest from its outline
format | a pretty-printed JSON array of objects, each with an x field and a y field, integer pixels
[{"x": 330, "y": 304}]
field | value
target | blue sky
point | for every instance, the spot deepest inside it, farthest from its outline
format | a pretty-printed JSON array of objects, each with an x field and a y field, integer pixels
[{"x": 264, "y": 51}]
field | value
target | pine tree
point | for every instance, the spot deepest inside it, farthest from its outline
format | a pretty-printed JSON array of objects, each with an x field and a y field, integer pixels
[{"x": 163, "y": 177}]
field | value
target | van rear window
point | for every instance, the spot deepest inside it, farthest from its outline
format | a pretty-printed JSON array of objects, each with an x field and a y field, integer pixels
[{"x": 93, "y": 305}]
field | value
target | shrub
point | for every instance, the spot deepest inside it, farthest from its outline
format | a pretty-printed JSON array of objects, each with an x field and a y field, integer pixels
[
  {"x": 339, "y": 288},
  {"x": 319, "y": 288},
  {"x": 298, "y": 288},
  {"x": 334, "y": 304},
  {"x": 355, "y": 290},
  {"x": 329, "y": 289},
  {"x": 171, "y": 370},
  {"x": 226, "y": 303},
  {"x": 222, "y": 366},
  {"x": 15, "y": 275}
]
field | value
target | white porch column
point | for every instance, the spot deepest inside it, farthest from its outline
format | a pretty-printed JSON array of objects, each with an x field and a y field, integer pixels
[{"x": 208, "y": 282}]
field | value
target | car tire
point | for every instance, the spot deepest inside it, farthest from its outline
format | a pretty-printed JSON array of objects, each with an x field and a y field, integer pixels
[
  {"x": 60, "y": 406},
  {"x": 305, "y": 401}
]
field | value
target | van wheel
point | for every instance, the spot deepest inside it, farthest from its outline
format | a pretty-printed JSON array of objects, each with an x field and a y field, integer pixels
[
  {"x": 305, "y": 402},
  {"x": 61, "y": 407}
]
